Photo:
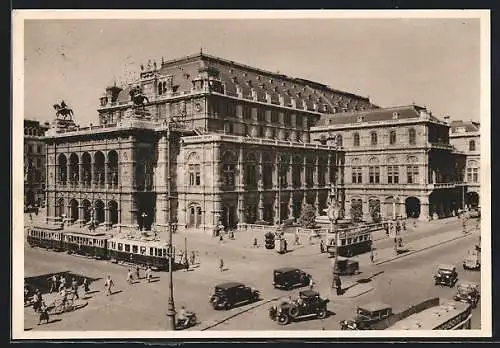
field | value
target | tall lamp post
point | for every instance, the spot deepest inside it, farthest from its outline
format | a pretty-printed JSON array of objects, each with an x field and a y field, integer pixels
[{"x": 171, "y": 305}]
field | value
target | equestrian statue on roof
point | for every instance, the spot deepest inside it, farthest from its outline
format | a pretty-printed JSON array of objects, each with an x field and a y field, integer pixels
[
  {"x": 63, "y": 110},
  {"x": 138, "y": 97}
]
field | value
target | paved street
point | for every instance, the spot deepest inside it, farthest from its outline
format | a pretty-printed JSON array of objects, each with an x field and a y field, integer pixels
[{"x": 142, "y": 306}]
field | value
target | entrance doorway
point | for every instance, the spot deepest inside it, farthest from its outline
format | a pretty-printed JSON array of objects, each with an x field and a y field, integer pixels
[
  {"x": 229, "y": 219},
  {"x": 412, "y": 207},
  {"x": 472, "y": 199},
  {"x": 194, "y": 216}
]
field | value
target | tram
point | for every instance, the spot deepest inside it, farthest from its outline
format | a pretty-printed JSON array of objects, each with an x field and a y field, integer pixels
[
  {"x": 352, "y": 241},
  {"x": 146, "y": 253},
  {"x": 47, "y": 237},
  {"x": 85, "y": 243}
]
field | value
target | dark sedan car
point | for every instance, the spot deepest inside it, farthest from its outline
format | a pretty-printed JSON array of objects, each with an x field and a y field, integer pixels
[
  {"x": 290, "y": 277},
  {"x": 231, "y": 293}
]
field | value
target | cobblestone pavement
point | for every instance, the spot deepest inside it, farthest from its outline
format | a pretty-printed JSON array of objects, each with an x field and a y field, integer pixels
[{"x": 142, "y": 306}]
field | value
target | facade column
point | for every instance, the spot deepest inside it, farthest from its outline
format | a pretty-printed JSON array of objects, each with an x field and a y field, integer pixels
[
  {"x": 241, "y": 171},
  {"x": 260, "y": 181},
  {"x": 277, "y": 207},
  {"x": 68, "y": 212},
  {"x": 303, "y": 174},
  {"x": 80, "y": 173},
  {"x": 106, "y": 175},
  {"x": 276, "y": 171},
  {"x": 217, "y": 209},
  {"x": 366, "y": 210},
  {"x": 316, "y": 202},
  {"x": 261, "y": 206},
  {"x": 81, "y": 214},
  {"x": 327, "y": 174},
  {"x": 289, "y": 172},
  {"x": 107, "y": 217},
  {"x": 315, "y": 172},
  {"x": 93, "y": 177},
  {"x": 290, "y": 206},
  {"x": 68, "y": 169}
]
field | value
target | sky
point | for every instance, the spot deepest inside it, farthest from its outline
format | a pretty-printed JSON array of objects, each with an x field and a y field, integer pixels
[{"x": 429, "y": 62}]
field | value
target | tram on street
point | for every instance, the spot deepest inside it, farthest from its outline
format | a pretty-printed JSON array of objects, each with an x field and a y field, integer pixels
[
  {"x": 85, "y": 243},
  {"x": 47, "y": 237},
  {"x": 351, "y": 241},
  {"x": 446, "y": 316},
  {"x": 146, "y": 253}
]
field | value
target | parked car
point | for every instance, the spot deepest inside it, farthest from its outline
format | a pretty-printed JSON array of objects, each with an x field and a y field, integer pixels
[
  {"x": 366, "y": 316},
  {"x": 309, "y": 303},
  {"x": 269, "y": 240},
  {"x": 472, "y": 260},
  {"x": 446, "y": 275},
  {"x": 290, "y": 277},
  {"x": 347, "y": 266},
  {"x": 226, "y": 295},
  {"x": 467, "y": 292}
]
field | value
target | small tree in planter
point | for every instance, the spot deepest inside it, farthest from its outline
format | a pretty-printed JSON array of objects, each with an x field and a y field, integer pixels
[
  {"x": 307, "y": 217},
  {"x": 356, "y": 212},
  {"x": 374, "y": 207}
]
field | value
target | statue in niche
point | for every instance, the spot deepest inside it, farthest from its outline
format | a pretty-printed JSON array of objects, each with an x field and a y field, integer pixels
[{"x": 138, "y": 97}]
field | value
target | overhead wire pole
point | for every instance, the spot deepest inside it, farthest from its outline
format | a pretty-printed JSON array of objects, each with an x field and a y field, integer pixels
[{"x": 171, "y": 305}]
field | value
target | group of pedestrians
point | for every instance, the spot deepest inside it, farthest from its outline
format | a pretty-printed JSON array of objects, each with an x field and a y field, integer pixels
[{"x": 131, "y": 276}]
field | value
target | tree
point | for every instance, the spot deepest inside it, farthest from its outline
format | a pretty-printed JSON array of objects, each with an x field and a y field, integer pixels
[
  {"x": 307, "y": 217},
  {"x": 356, "y": 211},
  {"x": 374, "y": 206}
]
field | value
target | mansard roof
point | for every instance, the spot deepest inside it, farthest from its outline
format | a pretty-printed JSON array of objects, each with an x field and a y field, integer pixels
[
  {"x": 373, "y": 115},
  {"x": 237, "y": 77},
  {"x": 460, "y": 126}
]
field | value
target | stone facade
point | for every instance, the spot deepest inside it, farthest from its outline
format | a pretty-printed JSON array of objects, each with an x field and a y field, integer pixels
[
  {"x": 465, "y": 136},
  {"x": 34, "y": 163},
  {"x": 204, "y": 118},
  {"x": 398, "y": 161}
]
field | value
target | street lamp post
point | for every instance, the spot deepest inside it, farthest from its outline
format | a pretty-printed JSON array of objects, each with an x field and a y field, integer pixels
[{"x": 171, "y": 304}]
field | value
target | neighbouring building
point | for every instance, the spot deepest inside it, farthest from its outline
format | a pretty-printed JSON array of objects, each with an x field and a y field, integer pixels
[
  {"x": 200, "y": 140},
  {"x": 465, "y": 136},
  {"x": 398, "y": 162},
  {"x": 34, "y": 163}
]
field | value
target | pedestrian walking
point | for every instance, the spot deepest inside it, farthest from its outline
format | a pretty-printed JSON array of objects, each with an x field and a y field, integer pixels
[
  {"x": 404, "y": 225},
  {"x": 297, "y": 238},
  {"x": 86, "y": 286},
  {"x": 220, "y": 237},
  {"x": 372, "y": 256},
  {"x": 193, "y": 257},
  {"x": 53, "y": 283},
  {"x": 31, "y": 217},
  {"x": 44, "y": 314},
  {"x": 221, "y": 265},
  {"x": 311, "y": 283},
  {"x": 338, "y": 285},
  {"x": 108, "y": 285},
  {"x": 149, "y": 274},
  {"x": 74, "y": 287},
  {"x": 255, "y": 244},
  {"x": 137, "y": 274},
  {"x": 321, "y": 246},
  {"x": 186, "y": 265},
  {"x": 37, "y": 300},
  {"x": 129, "y": 277},
  {"x": 62, "y": 282}
]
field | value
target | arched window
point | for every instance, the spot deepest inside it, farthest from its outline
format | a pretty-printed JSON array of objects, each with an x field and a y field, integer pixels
[
  {"x": 373, "y": 138},
  {"x": 472, "y": 171},
  {"x": 392, "y": 137},
  {"x": 412, "y": 136},
  {"x": 194, "y": 169},
  {"x": 357, "y": 171},
  {"x": 250, "y": 171},
  {"x": 356, "y": 139},
  {"x": 412, "y": 170},
  {"x": 392, "y": 171},
  {"x": 373, "y": 171},
  {"x": 228, "y": 169},
  {"x": 472, "y": 145}
]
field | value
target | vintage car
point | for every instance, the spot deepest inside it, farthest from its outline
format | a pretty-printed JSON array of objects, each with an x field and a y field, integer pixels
[
  {"x": 475, "y": 213},
  {"x": 289, "y": 277},
  {"x": 472, "y": 260},
  {"x": 446, "y": 275},
  {"x": 366, "y": 316},
  {"x": 309, "y": 303},
  {"x": 347, "y": 266},
  {"x": 226, "y": 295},
  {"x": 467, "y": 292}
]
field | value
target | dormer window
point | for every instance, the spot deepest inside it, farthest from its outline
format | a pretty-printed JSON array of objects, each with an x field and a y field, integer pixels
[
  {"x": 245, "y": 74},
  {"x": 230, "y": 70},
  {"x": 360, "y": 119},
  {"x": 270, "y": 80},
  {"x": 395, "y": 115},
  {"x": 258, "y": 77},
  {"x": 283, "y": 83},
  {"x": 234, "y": 79}
]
